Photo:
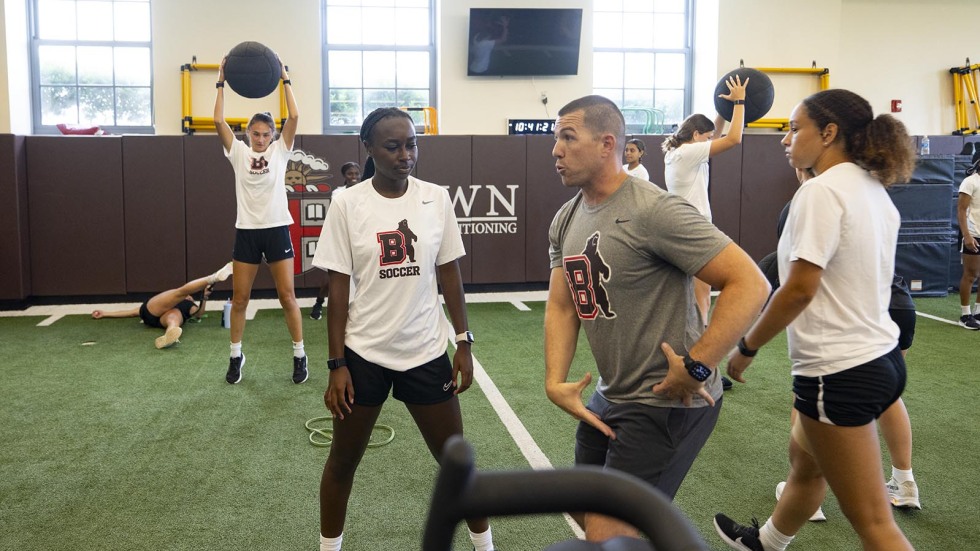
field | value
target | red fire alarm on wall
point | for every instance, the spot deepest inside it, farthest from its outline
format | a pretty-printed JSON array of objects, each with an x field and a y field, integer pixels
[{"x": 896, "y": 106}]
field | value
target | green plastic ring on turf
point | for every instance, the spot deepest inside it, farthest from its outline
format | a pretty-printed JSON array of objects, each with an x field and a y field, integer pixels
[{"x": 327, "y": 433}]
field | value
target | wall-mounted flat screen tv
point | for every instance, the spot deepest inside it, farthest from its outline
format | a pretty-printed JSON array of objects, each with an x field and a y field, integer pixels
[{"x": 524, "y": 41}]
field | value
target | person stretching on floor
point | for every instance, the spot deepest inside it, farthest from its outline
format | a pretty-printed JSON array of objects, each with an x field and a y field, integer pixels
[{"x": 170, "y": 309}]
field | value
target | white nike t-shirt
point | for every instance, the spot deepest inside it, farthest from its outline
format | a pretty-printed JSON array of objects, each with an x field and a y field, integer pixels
[{"x": 391, "y": 248}]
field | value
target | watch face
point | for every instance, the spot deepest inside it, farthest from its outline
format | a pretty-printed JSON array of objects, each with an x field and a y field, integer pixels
[{"x": 699, "y": 371}]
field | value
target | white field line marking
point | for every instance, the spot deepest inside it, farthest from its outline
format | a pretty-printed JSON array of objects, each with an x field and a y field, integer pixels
[
  {"x": 525, "y": 442},
  {"x": 50, "y": 319},
  {"x": 937, "y": 318}
]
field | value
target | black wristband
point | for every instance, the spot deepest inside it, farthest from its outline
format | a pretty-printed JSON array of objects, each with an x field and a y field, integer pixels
[
  {"x": 739, "y": 102},
  {"x": 744, "y": 349},
  {"x": 287, "y": 81},
  {"x": 219, "y": 84},
  {"x": 336, "y": 363}
]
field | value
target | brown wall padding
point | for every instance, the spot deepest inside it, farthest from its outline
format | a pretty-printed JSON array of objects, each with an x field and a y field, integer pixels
[
  {"x": 545, "y": 195},
  {"x": 448, "y": 161},
  {"x": 157, "y": 210},
  {"x": 498, "y": 214},
  {"x": 75, "y": 198},
  {"x": 15, "y": 259},
  {"x": 153, "y": 191},
  {"x": 768, "y": 182}
]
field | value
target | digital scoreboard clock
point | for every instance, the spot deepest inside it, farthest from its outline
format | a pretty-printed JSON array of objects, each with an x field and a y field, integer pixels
[{"x": 530, "y": 126}]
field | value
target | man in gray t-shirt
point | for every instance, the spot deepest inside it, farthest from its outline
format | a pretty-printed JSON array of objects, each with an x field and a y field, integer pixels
[{"x": 623, "y": 253}]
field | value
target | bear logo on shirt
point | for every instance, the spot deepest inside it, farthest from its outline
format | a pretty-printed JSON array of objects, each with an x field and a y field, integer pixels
[
  {"x": 396, "y": 247},
  {"x": 585, "y": 275}
]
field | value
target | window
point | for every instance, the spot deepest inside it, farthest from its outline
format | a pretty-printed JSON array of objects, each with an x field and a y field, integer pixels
[
  {"x": 377, "y": 53},
  {"x": 642, "y": 56},
  {"x": 91, "y": 64}
]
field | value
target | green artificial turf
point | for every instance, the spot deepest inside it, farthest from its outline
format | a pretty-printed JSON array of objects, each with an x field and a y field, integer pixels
[{"x": 108, "y": 443}]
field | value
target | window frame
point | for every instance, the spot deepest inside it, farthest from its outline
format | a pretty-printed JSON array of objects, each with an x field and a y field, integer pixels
[
  {"x": 687, "y": 51},
  {"x": 36, "y": 42},
  {"x": 325, "y": 48}
]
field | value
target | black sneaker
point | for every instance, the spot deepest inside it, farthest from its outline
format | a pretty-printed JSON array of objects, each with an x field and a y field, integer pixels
[
  {"x": 317, "y": 311},
  {"x": 969, "y": 322},
  {"x": 234, "y": 374},
  {"x": 737, "y": 536},
  {"x": 300, "y": 373},
  {"x": 726, "y": 383}
]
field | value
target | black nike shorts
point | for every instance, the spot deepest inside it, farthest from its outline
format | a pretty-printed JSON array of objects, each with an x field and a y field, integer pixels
[
  {"x": 252, "y": 245},
  {"x": 427, "y": 384}
]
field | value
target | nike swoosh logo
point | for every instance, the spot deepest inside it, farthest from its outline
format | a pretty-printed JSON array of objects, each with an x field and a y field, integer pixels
[
  {"x": 287, "y": 251},
  {"x": 426, "y": 202},
  {"x": 620, "y": 221},
  {"x": 447, "y": 386}
]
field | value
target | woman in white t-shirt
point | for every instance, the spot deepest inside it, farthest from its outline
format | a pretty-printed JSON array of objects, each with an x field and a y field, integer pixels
[
  {"x": 262, "y": 223},
  {"x": 686, "y": 154},
  {"x": 836, "y": 261},
  {"x": 633, "y": 155},
  {"x": 968, "y": 217},
  {"x": 394, "y": 236}
]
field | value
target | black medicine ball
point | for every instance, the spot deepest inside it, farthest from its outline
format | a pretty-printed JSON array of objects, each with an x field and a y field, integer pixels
[
  {"x": 758, "y": 95},
  {"x": 252, "y": 70}
]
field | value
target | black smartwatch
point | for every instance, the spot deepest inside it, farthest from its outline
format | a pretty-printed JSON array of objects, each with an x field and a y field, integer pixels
[
  {"x": 696, "y": 369},
  {"x": 336, "y": 363},
  {"x": 744, "y": 349}
]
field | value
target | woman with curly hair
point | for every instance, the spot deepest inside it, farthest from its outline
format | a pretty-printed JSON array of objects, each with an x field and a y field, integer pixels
[{"x": 836, "y": 261}]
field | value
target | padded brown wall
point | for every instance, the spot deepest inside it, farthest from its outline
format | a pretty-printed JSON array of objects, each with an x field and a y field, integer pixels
[
  {"x": 448, "y": 161},
  {"x": 75, "y": 198},
  {"x": 83, "y": 215},
  {"x": 545, "y": 195},
  {"x": 153, "y": 191},
  {"x": 15, "y": 258},
  {"x": 767, "y": 183},
  {"x": 498, "y": 162}
]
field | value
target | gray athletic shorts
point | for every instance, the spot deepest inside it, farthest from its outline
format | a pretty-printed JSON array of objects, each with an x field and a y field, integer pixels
[{"x": 656, "y": 444}]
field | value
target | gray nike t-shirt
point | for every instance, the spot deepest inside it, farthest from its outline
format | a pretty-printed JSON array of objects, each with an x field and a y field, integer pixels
[{"x": 628, "y": 263}]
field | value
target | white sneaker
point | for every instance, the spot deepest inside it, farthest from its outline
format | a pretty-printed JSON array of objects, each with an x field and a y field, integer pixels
[
  {"x": 904, "y": 495},
  {"x": 817, "y": 517},
  {"x": 170, "y": 338},
  {"x": 221, "y": 275}
]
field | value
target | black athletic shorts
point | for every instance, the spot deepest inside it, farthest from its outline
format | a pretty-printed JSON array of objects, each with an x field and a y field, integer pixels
[
  {"x": 429, "y": 383},
  {"x": 905, "y": 319},
  {"x": 656, "y": 444},
  {"x": 252, "y": 245},
  {"x": 185, "y": 306},
  {"x": 964, "y": 250},
  {"x": 855, "y": 396}
]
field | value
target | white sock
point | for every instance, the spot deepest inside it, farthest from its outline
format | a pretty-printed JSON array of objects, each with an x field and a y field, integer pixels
[
  {"x": 299, "y": 351},
  {"x": 901, "y": 475},
  {"x": 331, "y": 544},
  {"x": 482, "y": 542},
  {"x": 965, "y": 310},
  {"x": 976, "y": 308},
  {"x": 771, "y": 539},
  {"x": 236, "y": 349}
]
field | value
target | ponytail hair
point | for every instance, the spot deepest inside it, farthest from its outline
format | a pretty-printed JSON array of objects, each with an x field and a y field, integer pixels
[
  {"x": 881, "y": 145},
  {"x": 685, "y": 134}
]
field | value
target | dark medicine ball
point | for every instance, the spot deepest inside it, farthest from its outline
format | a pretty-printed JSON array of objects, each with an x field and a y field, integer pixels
[
  {"x": 252, "y": 70},
  {"x": 758, "y": 95}
]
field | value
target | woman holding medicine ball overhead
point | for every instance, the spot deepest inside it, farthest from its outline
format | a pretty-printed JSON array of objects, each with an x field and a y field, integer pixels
[
  {"x": 262, "y": 224},
  {"x": 686, "y": 154}
]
